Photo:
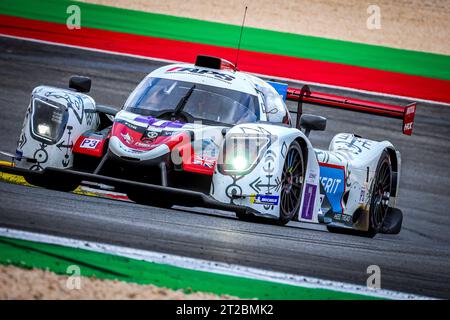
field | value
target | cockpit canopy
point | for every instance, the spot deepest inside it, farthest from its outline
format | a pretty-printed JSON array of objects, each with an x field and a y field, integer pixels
[{"x": 154, "y": 96}]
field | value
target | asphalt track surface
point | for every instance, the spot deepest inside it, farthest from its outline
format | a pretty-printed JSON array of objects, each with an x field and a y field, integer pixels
[{"x": 415, "y": 261}]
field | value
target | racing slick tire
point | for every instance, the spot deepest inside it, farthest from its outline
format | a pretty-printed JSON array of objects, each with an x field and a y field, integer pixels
[
  {"x": 52, "y": 184},
  {"x": 381, "y": 191},
  {"x": 141, "y": 198},
  {"x": 291, "y": 189},
  {"x": 291, "y": 183}
]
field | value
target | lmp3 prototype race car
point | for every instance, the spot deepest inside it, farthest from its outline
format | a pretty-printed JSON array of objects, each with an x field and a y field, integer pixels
[{"x": 208, "y": 135}]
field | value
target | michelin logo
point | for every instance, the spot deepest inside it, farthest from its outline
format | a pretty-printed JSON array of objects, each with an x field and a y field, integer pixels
[{"x": 264, "y": 199}]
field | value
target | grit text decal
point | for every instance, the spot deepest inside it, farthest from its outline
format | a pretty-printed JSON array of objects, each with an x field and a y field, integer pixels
[{"x": 332, "y": 179}]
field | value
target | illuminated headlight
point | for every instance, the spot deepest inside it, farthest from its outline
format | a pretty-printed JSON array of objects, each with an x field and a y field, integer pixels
[
  {"x": 239, "y": 163},
  {"x": 48, "y": 120},
  {"x": 241, "y": 153},
  {"x": 44, "y": 130}
]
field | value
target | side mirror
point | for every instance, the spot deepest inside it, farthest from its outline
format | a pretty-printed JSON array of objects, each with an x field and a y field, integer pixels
[
  {"x": 80, "y": 84},
  {"x": 312, "y": 122}
]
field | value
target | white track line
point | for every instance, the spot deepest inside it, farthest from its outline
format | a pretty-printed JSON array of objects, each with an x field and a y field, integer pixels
[
  {"x": 299, "y": 81},
  {"x": 209, "y": 266}
]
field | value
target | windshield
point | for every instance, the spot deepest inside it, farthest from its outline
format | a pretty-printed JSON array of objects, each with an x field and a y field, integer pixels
[{"x": 154, "y": 96}]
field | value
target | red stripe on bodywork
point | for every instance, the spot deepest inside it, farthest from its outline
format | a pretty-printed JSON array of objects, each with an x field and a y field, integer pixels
[
  {"x": 196, "y": 168},
  {"x": 330, "y": 165},
  {"x": 262, "y": 63}
]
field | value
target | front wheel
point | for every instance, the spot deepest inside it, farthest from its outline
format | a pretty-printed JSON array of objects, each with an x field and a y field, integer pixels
[{"x": 291, "y": 183}]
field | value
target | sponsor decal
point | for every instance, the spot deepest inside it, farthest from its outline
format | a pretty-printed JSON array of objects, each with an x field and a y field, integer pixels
[
  {"x": 330, "y": 184},
  {"x": 129, "y": 150},
  {"x": 89, "y": 143},
  {"x": 159, "y": 124},
  {"x": 204, "y": 161},
  {"x": 333, "y": 182},
  {"x": 266, "y": 199},
  {"x": 309, "y": 201},
  {"x": 142, "y": 145},
  {"x": 362, "y": 195},
  {"x": 410, "y": 109},
  {"x": 342, "y": 217},
  {"x": 206, "y": 72},
  {"x": 311, "y": 177},
  {"x": 408, "y": 126},
  {"x": 130, "y": 125},
  {"x": 127, "y": 138},
  {"x": 150, "y": 136}
]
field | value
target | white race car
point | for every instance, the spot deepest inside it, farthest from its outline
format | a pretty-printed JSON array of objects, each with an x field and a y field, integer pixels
[{"x": 205, "y": 134}]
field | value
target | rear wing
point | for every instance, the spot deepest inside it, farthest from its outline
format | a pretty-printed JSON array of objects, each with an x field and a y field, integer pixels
[{"x": 406, "y": 113}]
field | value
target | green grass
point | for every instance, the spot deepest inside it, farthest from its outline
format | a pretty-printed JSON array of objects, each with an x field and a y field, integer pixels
[{"x": 27, "y": 254}]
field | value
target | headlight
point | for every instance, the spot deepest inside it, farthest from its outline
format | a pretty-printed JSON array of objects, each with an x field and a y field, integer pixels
[
  {"x": 241, "y": 152},
  {"x": 48, "y": 120},
  {"x": 239, "y": 163},
  {"x": 44, "y": 130}
]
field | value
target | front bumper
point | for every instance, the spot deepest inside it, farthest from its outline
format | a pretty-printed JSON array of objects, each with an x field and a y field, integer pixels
[{"x": 117, "y": 150}]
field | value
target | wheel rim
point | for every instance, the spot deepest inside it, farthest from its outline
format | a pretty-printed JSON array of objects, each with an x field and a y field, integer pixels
[
  {"x": 382, "y": 192},
  {"x": 291, "y": 182}
]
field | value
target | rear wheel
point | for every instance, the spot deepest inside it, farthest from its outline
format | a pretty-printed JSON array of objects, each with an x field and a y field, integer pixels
[
  {"x": 142, "y": 198},
  {"x": 381, "y": 192},
  {"x": 291, "y": 183}
]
